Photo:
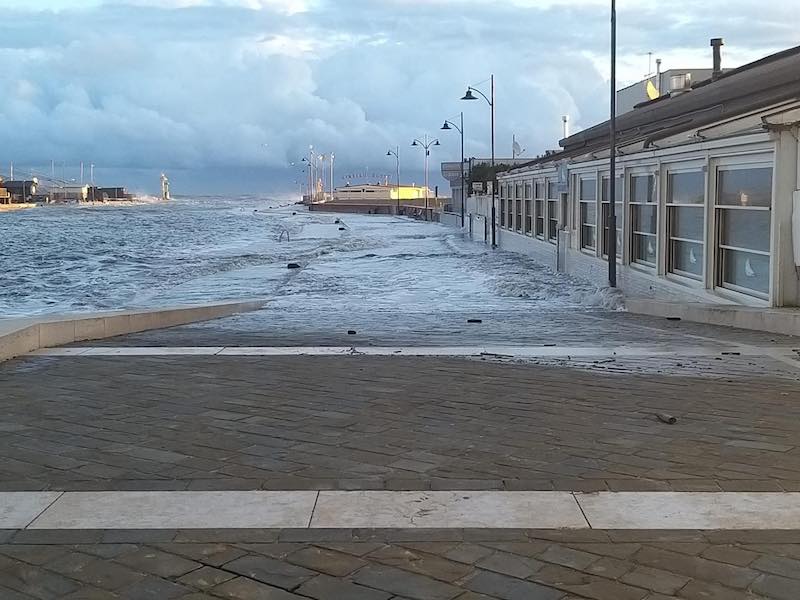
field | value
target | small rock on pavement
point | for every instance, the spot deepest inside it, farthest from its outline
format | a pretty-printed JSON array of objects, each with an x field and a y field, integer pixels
[
  {"x": 351, "y": 332},
  {"x": 293, "y": 266}
]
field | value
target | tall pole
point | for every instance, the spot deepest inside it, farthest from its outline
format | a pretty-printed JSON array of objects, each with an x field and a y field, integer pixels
[
  {"x": 331, "y": 182},
  {"x": 397, "y": 166},
  {"x": 463, "y": 183},
  {"x": 612, "y": 176},
  {"x": 494, "y": 178},
  {"x": 426, "y": 176}
]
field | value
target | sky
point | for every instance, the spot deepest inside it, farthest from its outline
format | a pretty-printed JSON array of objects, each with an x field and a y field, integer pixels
[{"x": 227, "y": 94}]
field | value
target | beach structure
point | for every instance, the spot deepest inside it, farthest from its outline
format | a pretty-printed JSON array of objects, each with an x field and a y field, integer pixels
[{"x": 380, "y": 199}]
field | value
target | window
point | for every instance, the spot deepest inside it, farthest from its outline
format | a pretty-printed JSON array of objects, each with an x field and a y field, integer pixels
[
  {"x": 687, "y": 222},
  {"x": 518, "y": 220},
  {"x": 618, "y": 213},
  {"x": 744, "y": 200},
  {"x": 539, "y": 201},
  {"x": 588, "y": 208},
  {"x": 528, "y": 214},
  {"x": 510, "y": 208},
  {"x": 552, "y": 211},
  {"x": 503, "y": 189},
  {"x": 528, "y": 217},
  {"x": 644, "y": 220}
]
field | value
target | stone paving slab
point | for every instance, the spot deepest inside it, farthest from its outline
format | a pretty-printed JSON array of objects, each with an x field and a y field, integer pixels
[
  {"x": 373, "y": 423},
  {"x": 400, "y": 564}
]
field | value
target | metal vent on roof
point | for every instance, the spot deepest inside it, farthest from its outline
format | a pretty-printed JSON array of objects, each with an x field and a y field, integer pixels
[{"x": 680, "y": 83}]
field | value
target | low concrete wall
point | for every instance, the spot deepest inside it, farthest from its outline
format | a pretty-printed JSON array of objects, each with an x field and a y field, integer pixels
[
  {"x": 785, "y": 321},
  {"x": 20, "y": 336}
]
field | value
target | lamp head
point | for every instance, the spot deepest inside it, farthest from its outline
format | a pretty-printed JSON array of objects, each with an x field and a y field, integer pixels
[
  {"x": 469, "y": 95},
  {"x": 389, "y": 153},
  {"x": 414, "y": 143},
  {"x": 446, "y": 126},
  {"x": 436, "y": 143}
]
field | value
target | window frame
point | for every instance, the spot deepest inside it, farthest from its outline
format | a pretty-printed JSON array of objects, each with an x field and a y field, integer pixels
[
  {"x": 633, "y": 234},
  {"x": 670, "y": 211},
  {"x": 581, "y": 225},
  {"x": 605, "y": 206},
  {"x": 720, "y": 248}
]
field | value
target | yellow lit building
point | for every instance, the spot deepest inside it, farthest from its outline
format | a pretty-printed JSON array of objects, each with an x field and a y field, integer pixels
[{"x": 377, "y": 194}]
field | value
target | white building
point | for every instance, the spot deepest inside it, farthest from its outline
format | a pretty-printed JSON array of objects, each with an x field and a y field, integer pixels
[{"x": 707, "y": 185}]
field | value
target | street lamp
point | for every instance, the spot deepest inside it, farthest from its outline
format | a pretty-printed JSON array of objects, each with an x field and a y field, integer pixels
[
  {"x": 448, "y": 125},
  {"x": 396, "y": 154},
  {"x": 426, "y": 144},
  {"x": 333, "y": 156},
  {"x": 491, "y": 101},
  {"x": 612, "y": 175}
]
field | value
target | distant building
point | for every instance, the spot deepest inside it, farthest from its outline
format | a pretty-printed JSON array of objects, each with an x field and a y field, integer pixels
[
  {"x": 70, "y": 194},
  {"x": 20, "y": 191},
  {"x": 477, "y": 177},
  {"x": 372, "y": 193},
  {"x": 379, "y": 199}
]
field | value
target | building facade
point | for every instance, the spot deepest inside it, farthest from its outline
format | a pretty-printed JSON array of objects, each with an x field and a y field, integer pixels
[{"x": 707, "y": 194}]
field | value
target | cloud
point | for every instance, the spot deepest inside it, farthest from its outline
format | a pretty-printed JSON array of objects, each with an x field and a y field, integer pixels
[{"x": 207, "y": 83}]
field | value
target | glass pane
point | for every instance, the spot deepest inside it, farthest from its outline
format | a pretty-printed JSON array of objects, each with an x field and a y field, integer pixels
[
  {"x": 745, "y": 229},
  {"x": 588, "y": 191},
  {"x": 688, "y": 222},
  {"x": 645, "y": 218},
  {"x": 745, "y": 270},
  {"x": 745, "y": 187},
  {"x": 519, "y": 191},
  {"x": 587, "y": 237},
  {"x": 539, "y": 189},
  {"x": 527, "y": 190},
  {"x": 588, "y": 213},
  {"x": 617, "y": 190},
  {"x": 552, "y": 192},
  {"x": 643, "y": 189},
  {"x": 686, "y": 188},
  {"x": 644, "y": 249},
  {"x": 687, "y": 258}
]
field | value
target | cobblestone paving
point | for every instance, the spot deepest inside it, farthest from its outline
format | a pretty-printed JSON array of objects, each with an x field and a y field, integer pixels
[
  {"x": 400, "y": 565},
  {"x": 157, "y": 423}
]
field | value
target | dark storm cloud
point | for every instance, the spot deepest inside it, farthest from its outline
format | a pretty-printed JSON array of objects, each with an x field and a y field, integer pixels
[{"x": 195, "y": 84}]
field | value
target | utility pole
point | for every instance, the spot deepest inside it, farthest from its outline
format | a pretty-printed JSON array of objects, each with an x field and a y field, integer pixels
[{"x": 612, "y": 175}]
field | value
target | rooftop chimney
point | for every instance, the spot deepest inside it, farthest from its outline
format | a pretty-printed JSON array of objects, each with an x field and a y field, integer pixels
[{"x": 717, "y": 44}]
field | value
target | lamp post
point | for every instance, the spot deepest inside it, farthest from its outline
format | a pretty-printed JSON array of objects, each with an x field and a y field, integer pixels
[
  {"x": 447, "y": 126},
  {"x": 612, "y": 175},
  {"x": 396, "y": 154},
  {"x": 491, "y": 101},
  {"x": 426, "y": 143},
  {"x": 333, "y": 156}
]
